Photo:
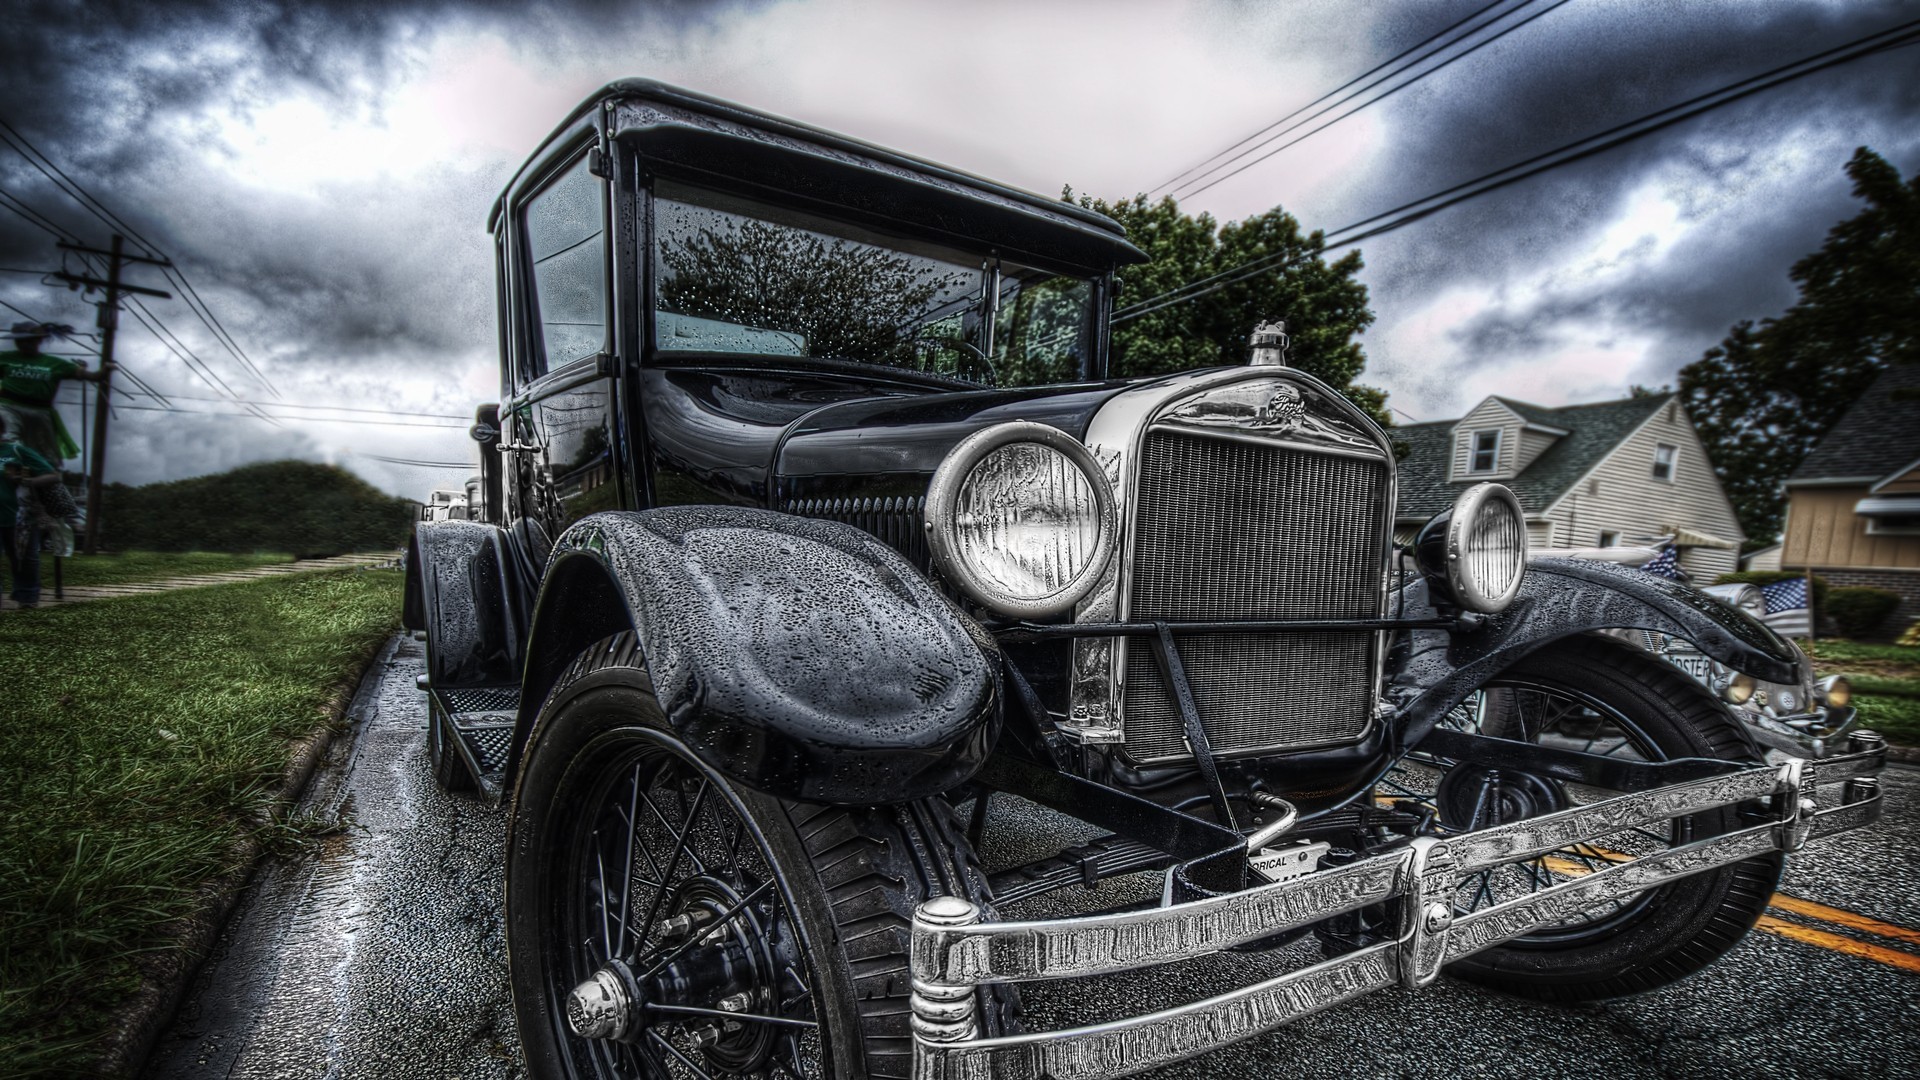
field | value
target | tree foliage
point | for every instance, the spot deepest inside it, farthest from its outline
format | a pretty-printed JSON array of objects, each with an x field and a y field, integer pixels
[
  {"x": 1325, "y": 308},
  {"x": 1765, "y": 395},
  {"x": 294, "y": 506}
]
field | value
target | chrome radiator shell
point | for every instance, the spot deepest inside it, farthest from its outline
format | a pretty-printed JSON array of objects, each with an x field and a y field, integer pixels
[{"x": 1294, "y": 431}]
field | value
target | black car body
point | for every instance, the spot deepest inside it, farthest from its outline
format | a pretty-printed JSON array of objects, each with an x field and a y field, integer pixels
[{"x": 807, "y": 458}]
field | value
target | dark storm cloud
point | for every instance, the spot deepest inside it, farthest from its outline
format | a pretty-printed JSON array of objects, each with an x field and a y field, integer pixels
[
  {"x": 327, "y": 293},
  {"x": 1584, "y": 68}
]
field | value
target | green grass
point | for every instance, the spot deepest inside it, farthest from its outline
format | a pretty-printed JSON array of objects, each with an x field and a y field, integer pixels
[
  {"x": 1897, "y": 718},
  {"x": 133, "y": 566},
  {"x": 1839, "y": 652},
  {"x": 144, "y": 738},
  {"x": 1875, "y": 686},
  {"x": 1886, "y": 683}
]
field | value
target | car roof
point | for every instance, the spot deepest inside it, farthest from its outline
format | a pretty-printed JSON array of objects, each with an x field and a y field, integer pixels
[{"x": 667, "y": 117}]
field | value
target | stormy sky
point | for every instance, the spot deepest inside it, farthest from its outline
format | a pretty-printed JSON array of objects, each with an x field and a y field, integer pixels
[{"x": 321, "y": 172}]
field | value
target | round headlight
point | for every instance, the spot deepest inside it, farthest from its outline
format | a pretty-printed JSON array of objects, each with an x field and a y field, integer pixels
[
  {"x": 1740, "y": 689},
  {"x": 1478, "y": 548},
  {"x": 1019, "y": 517},
  {"x": 1836, "y": 692}
]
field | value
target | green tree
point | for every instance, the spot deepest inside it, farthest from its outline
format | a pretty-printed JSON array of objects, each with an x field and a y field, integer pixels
[
  {"x": 1765, "y": 395},
  {"x": 1324, "y": 307}
]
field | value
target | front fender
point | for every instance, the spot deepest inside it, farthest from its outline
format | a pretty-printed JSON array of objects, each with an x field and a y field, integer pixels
[
  {"x": 465, "y": 588},
  {"x": 800, "y": 657},
  {"x": 1431, "y": 671}
]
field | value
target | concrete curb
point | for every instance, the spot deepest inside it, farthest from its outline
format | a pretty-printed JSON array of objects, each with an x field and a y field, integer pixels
[
  {"x": 1905, "y": 755},
  {"x": 170, "y": 972}
]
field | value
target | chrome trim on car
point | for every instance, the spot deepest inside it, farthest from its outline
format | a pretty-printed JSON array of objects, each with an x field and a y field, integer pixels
[
  {"x": 1116, "y": 437},
  {"x": 944, "y": 492},
  {"x": 952, "y": 951}
]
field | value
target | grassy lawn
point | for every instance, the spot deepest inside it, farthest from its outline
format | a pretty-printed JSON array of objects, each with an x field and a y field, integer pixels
[
  {"x": 143, "y": 739},
  {"x": 1886, "y": 683},
  {"x": 131, "y": 566}
]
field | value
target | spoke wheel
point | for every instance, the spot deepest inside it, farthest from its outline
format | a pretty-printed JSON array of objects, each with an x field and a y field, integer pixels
[
  {"x": 664, "y": 922},
  {"x": 1596, "y": 696}
]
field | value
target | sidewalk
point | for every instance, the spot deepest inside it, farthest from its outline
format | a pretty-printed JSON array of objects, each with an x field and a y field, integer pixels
[{"x": 76, "y": 594}]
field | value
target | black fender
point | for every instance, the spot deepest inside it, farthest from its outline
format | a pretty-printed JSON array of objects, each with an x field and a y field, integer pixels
[
  {"x": 800, "y": 657},
  {"x": 469, "y": 587},
  {"x": 1431, "y": 671}
]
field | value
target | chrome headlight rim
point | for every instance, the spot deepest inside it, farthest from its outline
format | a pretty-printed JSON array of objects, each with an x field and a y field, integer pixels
[
  {"x": 943, "y": 494},
  {"x": 1444, "y": 546}
]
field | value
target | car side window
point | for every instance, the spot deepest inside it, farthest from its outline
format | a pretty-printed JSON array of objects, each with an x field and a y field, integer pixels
[{"x": 566, "y": 251}]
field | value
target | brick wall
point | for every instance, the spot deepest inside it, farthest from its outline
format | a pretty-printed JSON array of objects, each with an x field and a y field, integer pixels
[{"x": 1904, "y": 582}]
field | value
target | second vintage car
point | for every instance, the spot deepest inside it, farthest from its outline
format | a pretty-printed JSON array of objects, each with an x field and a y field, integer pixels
[{"x": 817, "y": 526}]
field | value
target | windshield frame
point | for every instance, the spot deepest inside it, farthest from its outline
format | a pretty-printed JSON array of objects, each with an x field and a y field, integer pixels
[{"x": 889, "y": 235}]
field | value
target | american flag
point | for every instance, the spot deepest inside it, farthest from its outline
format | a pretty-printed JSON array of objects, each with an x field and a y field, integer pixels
[
  {"x": 1666, "y": 564},
  {"x": 1787, "y": 608}
]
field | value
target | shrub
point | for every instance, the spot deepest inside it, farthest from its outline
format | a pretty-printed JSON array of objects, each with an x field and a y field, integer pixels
[
  {"x": 1859, "y": 611},
  {"x": 1912, "y": 636},
  {"x": 294, "y": 506}
]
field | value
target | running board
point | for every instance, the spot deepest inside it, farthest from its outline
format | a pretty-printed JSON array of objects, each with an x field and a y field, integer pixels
[{"x": 483, "y": 719}]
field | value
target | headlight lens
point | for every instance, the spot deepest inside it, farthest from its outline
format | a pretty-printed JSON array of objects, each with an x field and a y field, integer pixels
[
  {"x": 1478, "y": 548},
  {"x": 1836, "y": 692},
  {"x": 1019, "y": 517},
  {"x": 1740, "y": 689}
]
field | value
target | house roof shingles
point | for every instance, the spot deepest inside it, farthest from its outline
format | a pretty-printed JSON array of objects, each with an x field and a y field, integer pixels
[
  {"x": 1878, "y": 434},
  {"x": 1593, "y": 430}
]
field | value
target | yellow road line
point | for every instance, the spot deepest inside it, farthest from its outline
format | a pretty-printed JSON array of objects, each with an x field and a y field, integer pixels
[
  {"x": 1839, "y": 943},
  {"x": 1808, "y": 935},
  {"x": 1841, "y": 917},
  {"x": 1792, "y": 905}
]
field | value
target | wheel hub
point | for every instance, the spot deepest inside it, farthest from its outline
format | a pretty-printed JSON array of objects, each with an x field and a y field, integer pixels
[
  {"x": 1475, "y": 796},
  {"x": 711, "y": 957},
  {"x": 604, "y": 1006}
]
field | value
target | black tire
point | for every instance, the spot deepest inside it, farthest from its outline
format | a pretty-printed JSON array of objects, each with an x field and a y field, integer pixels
[
  {"x": 825, "y": 895},
  {"x": 1624, "y": 702},
  {"x": 450, "y": 771}
]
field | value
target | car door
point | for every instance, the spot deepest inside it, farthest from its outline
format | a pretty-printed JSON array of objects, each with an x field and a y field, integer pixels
[{"x": 563, "y": 422}]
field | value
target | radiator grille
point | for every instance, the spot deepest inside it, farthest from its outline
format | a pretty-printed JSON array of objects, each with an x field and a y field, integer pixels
[{"x": 1226, "y": 529}]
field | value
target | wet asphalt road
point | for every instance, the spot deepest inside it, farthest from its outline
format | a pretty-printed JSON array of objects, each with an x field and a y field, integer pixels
[{"x": 379, "y": 954}]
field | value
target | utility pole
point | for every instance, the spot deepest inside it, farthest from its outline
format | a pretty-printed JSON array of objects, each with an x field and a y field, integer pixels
[{"x": 109, "y": 322}]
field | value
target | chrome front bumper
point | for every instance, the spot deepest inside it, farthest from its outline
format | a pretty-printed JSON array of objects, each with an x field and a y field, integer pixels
[{"x": 953, "y": 952}]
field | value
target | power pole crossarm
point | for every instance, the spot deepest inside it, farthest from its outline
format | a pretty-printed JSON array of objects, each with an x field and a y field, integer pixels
[{"x": 82, "y": 280}]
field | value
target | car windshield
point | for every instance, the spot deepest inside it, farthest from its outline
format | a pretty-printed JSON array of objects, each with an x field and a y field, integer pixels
[{"x": 735, "y": 276}]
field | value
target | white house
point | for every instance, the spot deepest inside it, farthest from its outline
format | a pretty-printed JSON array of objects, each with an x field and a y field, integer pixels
[{"x": 1610, "y": 473}]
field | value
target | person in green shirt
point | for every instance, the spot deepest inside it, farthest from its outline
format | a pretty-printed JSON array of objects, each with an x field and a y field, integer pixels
[
  {"x": 20, "y": 469},
  {"x": 28, "y": 381}
]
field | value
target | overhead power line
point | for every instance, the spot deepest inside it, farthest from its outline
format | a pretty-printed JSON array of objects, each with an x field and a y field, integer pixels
[
  {"x": 1407, "y": 213},
  {"x": 184, "y": 411},
  {"x": 14, "y": 203},
  {"x": 1382, "y": 66},
  {"x": 1192, "y": 190},
  {"x": 333, "y": 408},
  {"x": 50, "y": 169},
  {"x": 469, "y": 466}
]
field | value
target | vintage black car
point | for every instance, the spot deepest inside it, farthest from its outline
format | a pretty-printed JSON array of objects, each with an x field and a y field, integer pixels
[{"x": 817, "y": 527}]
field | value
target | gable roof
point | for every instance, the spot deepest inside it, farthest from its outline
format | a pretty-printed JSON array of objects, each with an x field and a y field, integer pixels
[
  {"x": 1532, "y": 414},
  {"x": 1878, "y": 434},
  {"x": 1592, "y": 432}
]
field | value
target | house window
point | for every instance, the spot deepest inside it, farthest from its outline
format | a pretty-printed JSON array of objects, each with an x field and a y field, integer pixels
[
  {"x": 1609, "y": 538},
  {"x": 1486, "y": 451},
  {"x": 1663, "y": 456}
]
